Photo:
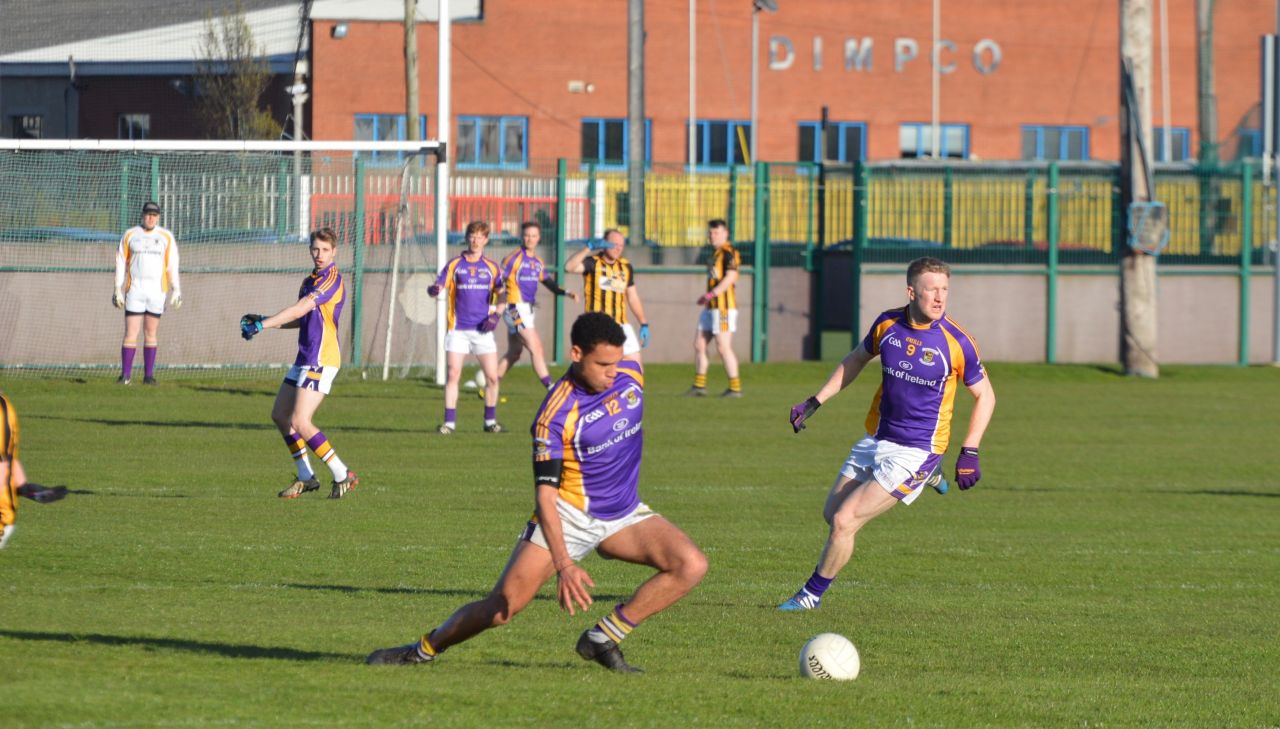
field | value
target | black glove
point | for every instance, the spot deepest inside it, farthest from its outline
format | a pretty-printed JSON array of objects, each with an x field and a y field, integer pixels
[
  {"x": 42, "y": 494},
  {"x": 801, "y": 412}
]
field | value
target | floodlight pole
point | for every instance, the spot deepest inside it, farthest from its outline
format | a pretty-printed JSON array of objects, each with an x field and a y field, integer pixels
[{"x": 635, "y": 119}]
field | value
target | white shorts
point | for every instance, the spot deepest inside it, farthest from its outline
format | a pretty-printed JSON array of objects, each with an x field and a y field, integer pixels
[
  {"x": 305, "y": 377},
  {"x": 518, "y": 316},
  {"x": 583, "y": 532},
  {"x": 900, "y": 470},
  {"x": 709, "y": 321},
  {"x": 632, "y": 344},
  {"x": 469, "y": 342},
  {"x": 144, "y": 300}
]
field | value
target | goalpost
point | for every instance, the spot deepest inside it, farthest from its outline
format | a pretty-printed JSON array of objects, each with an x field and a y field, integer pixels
[{"x": 240, "y": 212}]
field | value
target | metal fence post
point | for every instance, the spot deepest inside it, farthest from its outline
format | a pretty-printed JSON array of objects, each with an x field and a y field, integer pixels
[
  {"x": 1246, "y": 255},
  {"x": 124, "y": 193},
  {"x": 733, "y": 203},
  {"x": 155, "y": 178},
  {"x": 357, "y": 266},
  {"x": 282, "y": 199},
  {"x": 760, "y": 270},
  {"x": 861, "y": 190},
  {"x": 1029, "y": 210},
  {"x": 562, "y": 212},
  {"x": 948, "y": 207},
  {"x": 1051, "y": 280}
]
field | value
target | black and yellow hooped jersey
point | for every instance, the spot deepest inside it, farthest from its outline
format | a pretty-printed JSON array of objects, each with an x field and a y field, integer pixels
[
  {"x": 605, "y": 285},
  {"x": 8, "y": 454},
  {"x": 723, "y": 260}
]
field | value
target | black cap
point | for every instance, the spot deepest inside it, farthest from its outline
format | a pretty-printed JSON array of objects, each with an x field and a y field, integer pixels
[{"x": 150, "y": 207}]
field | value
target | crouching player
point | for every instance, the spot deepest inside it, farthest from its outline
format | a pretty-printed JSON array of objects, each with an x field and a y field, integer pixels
[
  {"x": 924, "y": 356},
  {"x": 315, "y": 316},
  {"x": 586, "y": 464}
]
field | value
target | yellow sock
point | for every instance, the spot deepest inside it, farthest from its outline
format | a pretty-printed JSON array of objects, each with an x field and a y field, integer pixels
[
  {"x": 700, "y": 380},
  {"x": 735, "y": 384}
]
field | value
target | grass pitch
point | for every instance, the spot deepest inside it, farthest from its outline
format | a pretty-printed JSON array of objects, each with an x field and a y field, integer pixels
[{"x": 1118, "y": 565}]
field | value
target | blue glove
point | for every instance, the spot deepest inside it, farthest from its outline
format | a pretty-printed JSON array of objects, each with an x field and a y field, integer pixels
[
  {"x": 490, "y": 323},
  {"x": 250, "y": 324},
  {"x": 968, "y": 472},
  {"x": 644, "y": 335},
  {"x": 801, "y": 412},
  {"x": 598, "y": 244},
  {"x": 433, "y": 291}
]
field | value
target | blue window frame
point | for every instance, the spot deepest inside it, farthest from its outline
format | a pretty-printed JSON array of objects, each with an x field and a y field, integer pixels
[
  {"x": 1055, "y": 142},
  {"x": 722, "y": 143},
  {"x": 1179, "y": 144},
  {"x": 385, "y": 128},
  {"x": 916, "y": 140},
  {"x": 493, "y": 142},
  {"x": 1250, "y": 143},
  {"x": 845, "y": 142},
  {"x": 606, "y": 143}
]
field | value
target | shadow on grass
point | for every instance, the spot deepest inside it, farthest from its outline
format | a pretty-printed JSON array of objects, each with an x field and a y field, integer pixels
[
  {"x": 174, "y": 644},
  {"x": 222, "y": 425},
  {"x": 438, "y": 592},
  {"x": 255, "y": 392},
  {"x": 1221, "y": 492}
]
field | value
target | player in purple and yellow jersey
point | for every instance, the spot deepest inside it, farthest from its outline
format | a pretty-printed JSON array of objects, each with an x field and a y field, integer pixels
[
  {"x": 924, "y": 358},
  {"x": 609, "y": 286},
  {"x": 13, "y": 479},
  {"x": 719, "y": 318},
  {"x": 315, "y": 316},
  {"x": 472, "y": 285},
  {"x": 522, "y": 271},
  {"x": 587, "y": 443},
  {"x": 146, "y": 270}
]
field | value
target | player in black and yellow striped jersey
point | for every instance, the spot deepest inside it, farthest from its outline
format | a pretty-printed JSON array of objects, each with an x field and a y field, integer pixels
[
  {"x": 719, "y": 317},
  {"x": 13, "y": 479},
  {"x": 609, "y": 286}
]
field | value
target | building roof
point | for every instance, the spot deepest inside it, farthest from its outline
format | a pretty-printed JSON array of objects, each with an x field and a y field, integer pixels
[{"x": 120, "y": 37}]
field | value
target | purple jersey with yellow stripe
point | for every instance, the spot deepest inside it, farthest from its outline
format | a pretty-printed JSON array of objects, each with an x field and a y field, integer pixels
[
  {"x": 470, "y": 288},
  {"x": 318, "y": 328},
  {"x": 598, "y": 437},
  {"x": 522, "y": 271},
  {"x": 922, "y": 367}
]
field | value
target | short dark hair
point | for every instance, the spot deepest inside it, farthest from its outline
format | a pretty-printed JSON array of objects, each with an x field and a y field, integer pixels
[
  {"x": 717, "y": 223},
  {"x": 478, "y": 226},
  {"x": 529, "y": 224},
  {"x": 925, "y": 264},
  {"x": 327, "y": 235},
  {"x": 595, "y": 328}
]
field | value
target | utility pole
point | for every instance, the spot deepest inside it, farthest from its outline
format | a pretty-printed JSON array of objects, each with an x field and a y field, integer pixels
[
  {"x": 1138, "y": 331},
  {"x": 411, "y": 70},
  {"x": 635, "y": 118},
  {"x": 1207, "y": 106}
]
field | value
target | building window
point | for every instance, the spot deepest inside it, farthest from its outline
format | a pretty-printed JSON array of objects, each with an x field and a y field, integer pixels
[
  {"x": 722, "y": 143},
  {"x": 606, "y": 142},
  {"x": 385, "y": 128},
  {"x": 493, "y": 142},
  {"x": 845, "y": 142},
  {"x": 133, "y": 126},
  {"x": 1055, "y": 142},
  {"x": 28, "y": 126},
  {"x": 1249, "y": 144},
  {"x": 1179, "y": 144},
  {"x": 916, "y": 140}
]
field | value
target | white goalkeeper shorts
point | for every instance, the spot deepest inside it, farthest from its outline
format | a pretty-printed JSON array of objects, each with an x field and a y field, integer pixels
[
  {"x": 583, "y": 532},
  {"x": 632, "y": 344},
  {"x": 469, "y": 342},
  {"x": 305, "y": 377},
  {"x": 711, "y": 322},
  {"x": 144, "y": 300},
  {"x": 518, "y": 316},
  {"x": 900, "y": 470}
]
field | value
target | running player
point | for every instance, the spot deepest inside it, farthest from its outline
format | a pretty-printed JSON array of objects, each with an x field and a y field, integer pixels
[
  {"x": 719, "y": 318},
  {"x": 472, "y": 284},
  {"x": 924, "y": 356},
  {"x": 315, "y": 316},
  {"x": 586, "y": 466},
  {"x": 522, "y": 271},
  {"x": 146, "y": 270},
  {"x": 609, "y": 286}
]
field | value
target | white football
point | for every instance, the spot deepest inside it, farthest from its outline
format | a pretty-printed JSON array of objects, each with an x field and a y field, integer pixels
[
  {"x": 479, "y": 379},
  {"x": 830, "y": 657}
]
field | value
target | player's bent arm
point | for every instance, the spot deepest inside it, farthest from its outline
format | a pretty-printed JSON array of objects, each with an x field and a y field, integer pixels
[
  {"x": 575, "y": 262},
  {"x": 726, "y": 283},
  {"x": 288, "y": 318},
  {"x": 637, "y": 308},
  {"x": 572, "y": 580},
  {"x": 984, "y": 397},
  {"x": 845, "y": 373}
]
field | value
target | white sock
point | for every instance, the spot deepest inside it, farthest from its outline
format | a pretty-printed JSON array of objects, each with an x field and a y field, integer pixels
[{"x": 338, "y": 467}]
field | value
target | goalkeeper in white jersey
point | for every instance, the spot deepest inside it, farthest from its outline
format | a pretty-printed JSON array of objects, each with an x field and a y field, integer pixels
[{"x": 146, "y": 273}]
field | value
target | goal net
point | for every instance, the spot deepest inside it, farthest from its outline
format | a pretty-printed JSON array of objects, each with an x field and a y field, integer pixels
[{"x": 240, "y": 213}]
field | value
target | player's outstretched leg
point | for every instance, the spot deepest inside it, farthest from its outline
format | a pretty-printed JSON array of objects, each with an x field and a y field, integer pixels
[{"x": 409, "y": 654}]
